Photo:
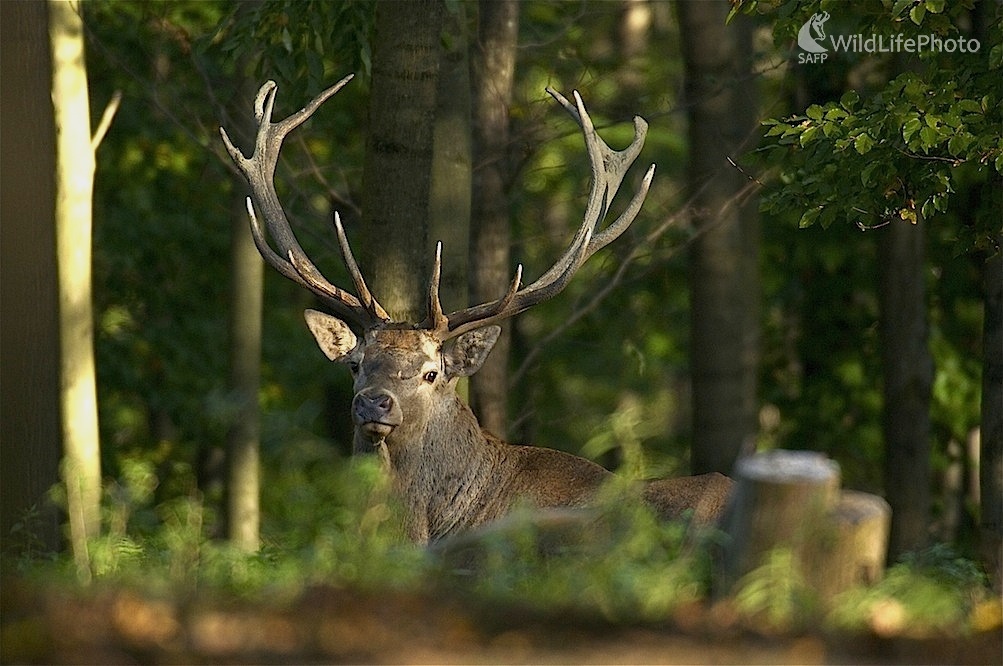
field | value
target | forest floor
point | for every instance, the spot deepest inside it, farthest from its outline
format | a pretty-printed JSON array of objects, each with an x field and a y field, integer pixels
[{"x": 47, "y": 624}]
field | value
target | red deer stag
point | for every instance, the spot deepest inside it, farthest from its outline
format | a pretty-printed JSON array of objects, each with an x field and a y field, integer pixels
[{"x": 451, "y": 474}]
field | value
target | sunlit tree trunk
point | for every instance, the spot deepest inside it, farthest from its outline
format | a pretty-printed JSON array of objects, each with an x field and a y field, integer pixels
[
  {"x": 493, "y": 68},
  {"x": 74, "y": 189},
  {"x": 907, "y": 369},
  {"x": 29, "y": 344},
  {"x": 243, "y": 437},
  {"x": 724, "y": 270},
  {"x": 395, "y": 252}
]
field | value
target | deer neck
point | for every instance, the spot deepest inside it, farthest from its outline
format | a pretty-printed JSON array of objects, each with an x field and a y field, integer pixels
[{"x": 449, "y": 474}]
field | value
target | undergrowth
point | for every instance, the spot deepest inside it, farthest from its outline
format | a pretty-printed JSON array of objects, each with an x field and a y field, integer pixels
[{"x": 334, "y": 523}]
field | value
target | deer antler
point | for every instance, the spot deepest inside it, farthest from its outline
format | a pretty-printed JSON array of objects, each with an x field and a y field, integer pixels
[
  {"x": 608, "y": 170},
  {"x": 290, "y": 260}
]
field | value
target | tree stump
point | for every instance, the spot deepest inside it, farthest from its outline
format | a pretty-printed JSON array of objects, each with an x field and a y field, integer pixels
[{"x": 790, "y": 502}]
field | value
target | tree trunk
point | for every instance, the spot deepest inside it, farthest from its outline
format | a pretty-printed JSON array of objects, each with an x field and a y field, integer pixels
[
  {"x": 907, "y": 369},
  {"x": 991, "y": 431},
  {"x": 29, "y": 344},
  {"x": 991, "y": 454},
  {"x": 493, "y": 65},
  {"x": 74, "y": 194},
  {"x": 632, "y": 32},
  {"x": 244, "y": 433},
  {"x": 395, "y": 254},
  {"x": 724, "y": 271},
  {"x": 449, "y": 216},
  {"x": 243, "y": 436}
]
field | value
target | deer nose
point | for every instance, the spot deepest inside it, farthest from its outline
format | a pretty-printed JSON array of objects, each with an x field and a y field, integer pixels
[{"x": 376, "y": 413}]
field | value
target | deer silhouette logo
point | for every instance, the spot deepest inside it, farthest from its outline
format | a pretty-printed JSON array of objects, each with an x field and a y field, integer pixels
[{"x": 812, "y": 32}]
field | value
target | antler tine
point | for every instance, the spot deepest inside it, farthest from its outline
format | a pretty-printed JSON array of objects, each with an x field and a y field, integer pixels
[
  {"x": 436, "y": 320},
  {"x": 290, "y": 259},
  {"x": 608, "y": 170},
  {"x": 299, "y": 269},
  {"x": 365, "y": 296}
]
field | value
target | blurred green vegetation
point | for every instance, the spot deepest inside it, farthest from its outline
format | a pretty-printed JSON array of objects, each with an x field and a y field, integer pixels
[
  {"x": 338, "y": 527},
  {"x": 612, "y": 385}
]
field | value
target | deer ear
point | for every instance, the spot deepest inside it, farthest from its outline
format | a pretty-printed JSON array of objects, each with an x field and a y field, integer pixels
[
  {"x": 470, "y": 350},
  {"x": 333, "y": 336}
]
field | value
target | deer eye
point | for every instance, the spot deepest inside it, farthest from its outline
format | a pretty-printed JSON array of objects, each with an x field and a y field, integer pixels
[
  {"x": 353, "y": 366},
  {"x": 430, "y": 376}
]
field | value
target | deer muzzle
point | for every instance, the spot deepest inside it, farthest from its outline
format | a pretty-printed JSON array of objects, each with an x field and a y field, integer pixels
[{"x": 376, "y": 413}]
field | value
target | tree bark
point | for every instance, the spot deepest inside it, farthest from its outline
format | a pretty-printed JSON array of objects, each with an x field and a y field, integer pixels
[
  {"x": 243, "y": 436},
  {"x": 244, "y": 433},
  {"x": 29, "y": 344},
  {"x": 991, "y": 445},
  {"x": 395, "y": 254},
  {"x": 907, "y": 369},
  {"x": 991, "y": 417},
  {"x": 493, "y": 65},
  {"x": 724, "y": 271},
  {"x": 449, "y": 215},
  {"x": 74, "y": 194}
]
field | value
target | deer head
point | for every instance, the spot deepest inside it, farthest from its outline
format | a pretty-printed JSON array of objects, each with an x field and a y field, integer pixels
[{"x": 405, "y": 372}]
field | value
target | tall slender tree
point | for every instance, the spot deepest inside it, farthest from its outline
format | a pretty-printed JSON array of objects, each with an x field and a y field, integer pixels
[
  {"x": 907, "y": 370},
  {"x": 987, "y": 14},
  {"x": 243, "y": 437},
  {"x": 724, "y": 271},
  {"x": 74, "y": 194},
  {"x": 493, "y": 65}
]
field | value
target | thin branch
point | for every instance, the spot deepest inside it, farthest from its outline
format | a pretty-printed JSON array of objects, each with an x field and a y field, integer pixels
[
  {"x": 106, "y": 119},
  {"x": 953, "y": 161}
]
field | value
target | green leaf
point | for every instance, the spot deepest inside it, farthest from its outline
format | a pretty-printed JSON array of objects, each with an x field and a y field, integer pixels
[
  {"x": 935, "y": 6},
  {"x": 910, "y": 127},
  {"x": 863, "y": 143},
  {"x": 835, "y": 113},
  {"x": 809, "y": 217},
  {"x": 899, "y": 6},
  {"x": 777, "y": 129},
  {"x": 849, "y": 100},
  {"x": 930, "y": 137},
  {"x": 917, "y": 13},
  {"x": 969, "y": 106},
  {"x": 808, "y": 135},
  {"x": 814, "y": 112},
  {"x": 958, "y": 143},
  {"x": 865, "y": 174},
  {"x": 952, "y": 119}
]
